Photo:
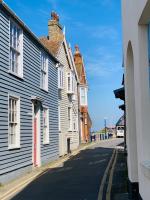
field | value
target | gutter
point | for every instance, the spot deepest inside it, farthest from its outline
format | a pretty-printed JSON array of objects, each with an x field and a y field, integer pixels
[{"x": 4, "y": 6}]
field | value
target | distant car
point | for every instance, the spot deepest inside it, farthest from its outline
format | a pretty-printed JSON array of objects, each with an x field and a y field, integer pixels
[{"x": 120, "y": 131}]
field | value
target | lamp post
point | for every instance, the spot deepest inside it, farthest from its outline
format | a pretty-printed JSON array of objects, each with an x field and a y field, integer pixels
[{"x": 105, "y": 126}]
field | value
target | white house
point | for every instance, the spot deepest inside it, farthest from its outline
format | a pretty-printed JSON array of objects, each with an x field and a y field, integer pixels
[
  {"x": 67, "y": 86},
  {"x": 136, "y": 43}
]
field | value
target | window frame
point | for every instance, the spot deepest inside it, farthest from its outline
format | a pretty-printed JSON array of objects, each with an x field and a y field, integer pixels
[
  {"x": 44, "y": 71},
  {"x": 85, "y": 96},
  {"x": 46, "y": 137},
  {"x": 17, "y": 123},
  {"x": 18, "y": 69},
  {"x": 60, "y": 77},
  {"x": 70, "y": 83},
  {"x": 59, "y": 118},
  {"x": 70, "y": 118}
]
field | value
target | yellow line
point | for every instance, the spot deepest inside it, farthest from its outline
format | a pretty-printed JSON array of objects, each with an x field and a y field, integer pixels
[
  {"x": 100, "y": 194},
  {"x": 20, "y": 186},
  {"x": 108, "y": 192}
]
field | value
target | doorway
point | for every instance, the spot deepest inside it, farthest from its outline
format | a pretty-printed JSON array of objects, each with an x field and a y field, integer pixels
[{"x": 36, "y": 153}]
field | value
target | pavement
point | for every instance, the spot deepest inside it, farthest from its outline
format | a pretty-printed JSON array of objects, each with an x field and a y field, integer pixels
[
  {"x": 119, "y": 189},
  {"x": 80, "y": 177}
]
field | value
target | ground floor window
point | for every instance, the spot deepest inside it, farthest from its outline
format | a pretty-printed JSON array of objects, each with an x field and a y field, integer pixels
[
  {"x": 70, "y": 118},
  {"x": 14, "y": 122},
  {"x": 45, "y": 126}
]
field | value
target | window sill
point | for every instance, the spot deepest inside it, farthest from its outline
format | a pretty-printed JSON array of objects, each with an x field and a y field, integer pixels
[
  {"x": 44, "y": 90},
  {"x": 14, "y": 147},
  {"x": 46, "y": 143},
  {"x": 146, "y": 168},
  {"x": 16, "y": 75}
]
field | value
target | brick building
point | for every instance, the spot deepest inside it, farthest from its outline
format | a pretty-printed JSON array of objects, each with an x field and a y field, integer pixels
[{"x": 85, "y": 121}]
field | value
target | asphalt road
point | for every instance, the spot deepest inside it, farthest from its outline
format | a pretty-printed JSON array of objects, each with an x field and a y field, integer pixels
[{"x": 78, "y": 179}]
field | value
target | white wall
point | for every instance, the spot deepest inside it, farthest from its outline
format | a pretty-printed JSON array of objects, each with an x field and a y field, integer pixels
[
  {"x": 135, "y": 17},
  {"x": 65, "y": 102}
]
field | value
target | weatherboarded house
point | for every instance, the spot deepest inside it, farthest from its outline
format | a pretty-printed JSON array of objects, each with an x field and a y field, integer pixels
[
  {"x": 68, "y": 86},
  {"x": 28, "y": 99}
]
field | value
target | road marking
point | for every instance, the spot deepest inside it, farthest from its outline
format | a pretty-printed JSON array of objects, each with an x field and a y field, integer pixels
[
  {"x": 109, "y": 187},
  {"x": 100, "y": 194},
  {"x": 97, "y": 162},
  {"x": 13, "y": 191}
]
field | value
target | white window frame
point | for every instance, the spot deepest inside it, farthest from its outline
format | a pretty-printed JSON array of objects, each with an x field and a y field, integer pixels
[
  {"x": 14, "y": 120},
  {"x": 70, "y": 83},
  {"x": 15, "y": 49},
  {"x": 46, "y": 134},
  {"x": 60, "y": 77},
  {"x": 83, "y": 95},
  {"x": 44, "y": 72},
  {"x": 70, "y": 118},
  {"x": 59, "y": 118}
]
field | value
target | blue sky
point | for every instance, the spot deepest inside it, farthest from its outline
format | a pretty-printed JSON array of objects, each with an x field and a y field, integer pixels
[{"x": 96, "y": 27}]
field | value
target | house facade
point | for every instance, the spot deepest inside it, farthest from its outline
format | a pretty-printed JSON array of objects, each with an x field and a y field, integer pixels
[
  {"x": 68, "y": 86},
  {"x": 136, "y": 49},
  {"x": 28, "y": 99},
  {"x": 84, "y": 120}
]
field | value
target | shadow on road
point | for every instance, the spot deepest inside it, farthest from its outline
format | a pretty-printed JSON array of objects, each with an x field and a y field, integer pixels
[{"x": 78, "y": 179}]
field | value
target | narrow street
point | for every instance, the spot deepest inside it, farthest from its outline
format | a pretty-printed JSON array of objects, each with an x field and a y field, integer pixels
[{"x": 77, "y": 179}]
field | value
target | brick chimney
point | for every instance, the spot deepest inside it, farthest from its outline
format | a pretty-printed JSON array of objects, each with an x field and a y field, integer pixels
[{"x": 54, "y": 28}]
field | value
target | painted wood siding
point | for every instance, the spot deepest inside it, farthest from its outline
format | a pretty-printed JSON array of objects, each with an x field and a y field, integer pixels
[
  {"x": 64, "y": 103},
  {"x": 11, "y": 160}
]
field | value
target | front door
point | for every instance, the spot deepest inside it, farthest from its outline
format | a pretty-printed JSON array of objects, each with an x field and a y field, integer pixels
[{"x": 36, "y": 134}]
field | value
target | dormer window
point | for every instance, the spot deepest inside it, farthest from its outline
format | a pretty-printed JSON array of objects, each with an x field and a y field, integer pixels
[
  {"x": 60, "y": 77},
  {"x": 16, "y": 49}
]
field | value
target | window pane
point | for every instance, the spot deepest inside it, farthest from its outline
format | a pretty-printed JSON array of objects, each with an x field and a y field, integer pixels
[{"x": 69, "y": 84}]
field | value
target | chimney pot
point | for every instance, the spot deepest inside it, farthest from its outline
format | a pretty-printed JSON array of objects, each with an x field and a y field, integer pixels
[
  {"x": 77, "y": 48},
  {"x": 54, "y": 16}
]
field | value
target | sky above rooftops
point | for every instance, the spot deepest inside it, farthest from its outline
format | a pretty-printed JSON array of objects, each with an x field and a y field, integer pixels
[{"x": 96, "y": 27}]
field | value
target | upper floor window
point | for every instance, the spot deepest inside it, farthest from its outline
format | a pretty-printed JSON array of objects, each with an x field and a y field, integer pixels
[
  {"x": 71, "y": 83},
  {"x": 44, "y": 72},
  {"x": 14, "y": 122},
  {"x": 16, "y": 49},
  {"x": 60, "y": 77},
  {"x": 83, "y": 96},
  {"x": 45, "y": 126}
]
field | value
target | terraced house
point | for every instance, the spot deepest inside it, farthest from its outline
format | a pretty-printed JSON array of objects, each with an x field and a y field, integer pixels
[
  {"x": 68, "y": 86},
  {"x": 28, "y": 99},
  {"x": 84, "y": 120}
]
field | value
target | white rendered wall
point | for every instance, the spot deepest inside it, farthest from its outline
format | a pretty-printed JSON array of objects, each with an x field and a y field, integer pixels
[{"x": 135, "y": 16}]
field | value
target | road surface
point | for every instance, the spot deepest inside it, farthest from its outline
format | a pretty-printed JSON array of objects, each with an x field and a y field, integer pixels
[{"x": 79, "y": 178}]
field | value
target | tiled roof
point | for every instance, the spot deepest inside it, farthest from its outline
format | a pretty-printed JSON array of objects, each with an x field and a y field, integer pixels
[
  {"x": 120, "y": 121},
  {"x": 52, "y": 45}
]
